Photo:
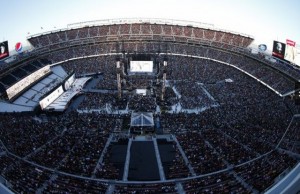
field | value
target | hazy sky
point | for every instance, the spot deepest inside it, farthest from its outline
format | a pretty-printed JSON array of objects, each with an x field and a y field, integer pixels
[{"x": 266, "y": 20}]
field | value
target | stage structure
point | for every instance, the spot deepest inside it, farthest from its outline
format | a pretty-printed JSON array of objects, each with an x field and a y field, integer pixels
[
  {"x": 142, "y": 122},
  {"x": 163, "y": 88},
  {"x": 119, "y": 78}
]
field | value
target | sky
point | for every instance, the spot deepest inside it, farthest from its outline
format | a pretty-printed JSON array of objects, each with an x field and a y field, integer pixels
[{"x": 265, "y": 20}]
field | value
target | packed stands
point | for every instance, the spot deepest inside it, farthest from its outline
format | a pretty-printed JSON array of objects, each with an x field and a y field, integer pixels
[{"x": 225, "y": 124}]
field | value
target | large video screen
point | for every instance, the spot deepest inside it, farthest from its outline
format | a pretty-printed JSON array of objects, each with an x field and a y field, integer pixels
[
  {"x": 27, "y": 81},
  {"x": 141, "y": 92},
  {"x": 141, "y": 66},
  {"x": 278, "y": 49},
  {"x": 69, "y": 82},
  {"x": 51, "y": 97},
  {"x": 4, "y": 52}
]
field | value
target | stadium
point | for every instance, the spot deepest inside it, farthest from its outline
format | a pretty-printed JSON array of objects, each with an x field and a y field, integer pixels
[{"x": 148, "y": 106}]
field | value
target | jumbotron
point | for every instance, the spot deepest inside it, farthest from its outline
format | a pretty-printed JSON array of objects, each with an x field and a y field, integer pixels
[{"x": 148, "y": 106}]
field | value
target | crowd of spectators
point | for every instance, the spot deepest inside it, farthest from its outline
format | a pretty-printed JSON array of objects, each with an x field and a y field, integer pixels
[
  {"x": 242, "y": 136},
  {"x": 254, "y": 143},
  {"x": 254, "y": 66},
  {"x": 142, "y": 103},
  {"x": 241, "y": 91},
  {"x": 67, "y": 184},
  {"x": 85, "y": 153},
  {"x": 261, "y": 173},
  {"x": 184, "y": 121},
  {"x": 24, "y": 177},
  {"x": 111, "y": 166},
  {"x": 292, "y": 137},
  {"x": 107, "y": 82},
  {"x": 23, "y": 135},
  {"x": 249, "y": 120},
  {"x": 208, "y": 71},
  {"x": 107, "y": 170},
  {"x": 286, "y": 67},
  {"x": 91, "y": 65},
  {"x": 195, "y": 68},
  {"x": 170, "y": 98},
  {"x": 192, "y": 95},
  {"x": 106, "y": 102},
  {"x": 272, "y": 123},
  {"x": 75, "y": 148},
  {"x": 202, "y": 158},
  {"x": 173, "y": 163},
  {"x": 219, "y": 136},
  {"x": 132, "y": 31},
  {"x": 261, "y": 120},
  {"x": 212, "y": 150},
  {"x": 138, "y": 82},
  {"x": 98, "y": 101},
  {"x": 78, "y": 149},
  {"x": 145, "y": 188},
  {"x": 231, "y": 151},
  {"x": 219, "y": 183},
  {"x": 6, "y": 163},
  {"x": 290, "y": 103}
]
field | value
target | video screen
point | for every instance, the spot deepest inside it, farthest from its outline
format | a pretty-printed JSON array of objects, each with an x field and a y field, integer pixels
[
  {"x": 69, "y": 82},
  {"x": 141, "y": 92},
  {"x": 4, "y": 52},
  {"x": 27, "y": 81},
  {"x": 141, "y": 66},
  {"x": 278, "y": 49},
  {"x": 51, "y": 97}
]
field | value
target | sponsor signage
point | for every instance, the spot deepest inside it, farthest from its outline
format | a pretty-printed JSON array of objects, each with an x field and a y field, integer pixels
[
  {"x": 18, "y": 47},
  {"x": 290, "y": 42},
  {"x": 262, "y": 47}
]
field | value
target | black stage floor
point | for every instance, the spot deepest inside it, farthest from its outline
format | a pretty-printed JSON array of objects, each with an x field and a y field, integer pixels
[
  {"x": 143, "y": 164},
  {"x": 118, "y": 156}
]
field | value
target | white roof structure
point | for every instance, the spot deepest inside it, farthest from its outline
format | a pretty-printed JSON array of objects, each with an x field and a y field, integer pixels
[{"x": 141, "y": 119}]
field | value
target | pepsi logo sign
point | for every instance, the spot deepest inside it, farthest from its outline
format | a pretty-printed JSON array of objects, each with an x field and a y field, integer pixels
[{"x": 18, "y": 47}]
